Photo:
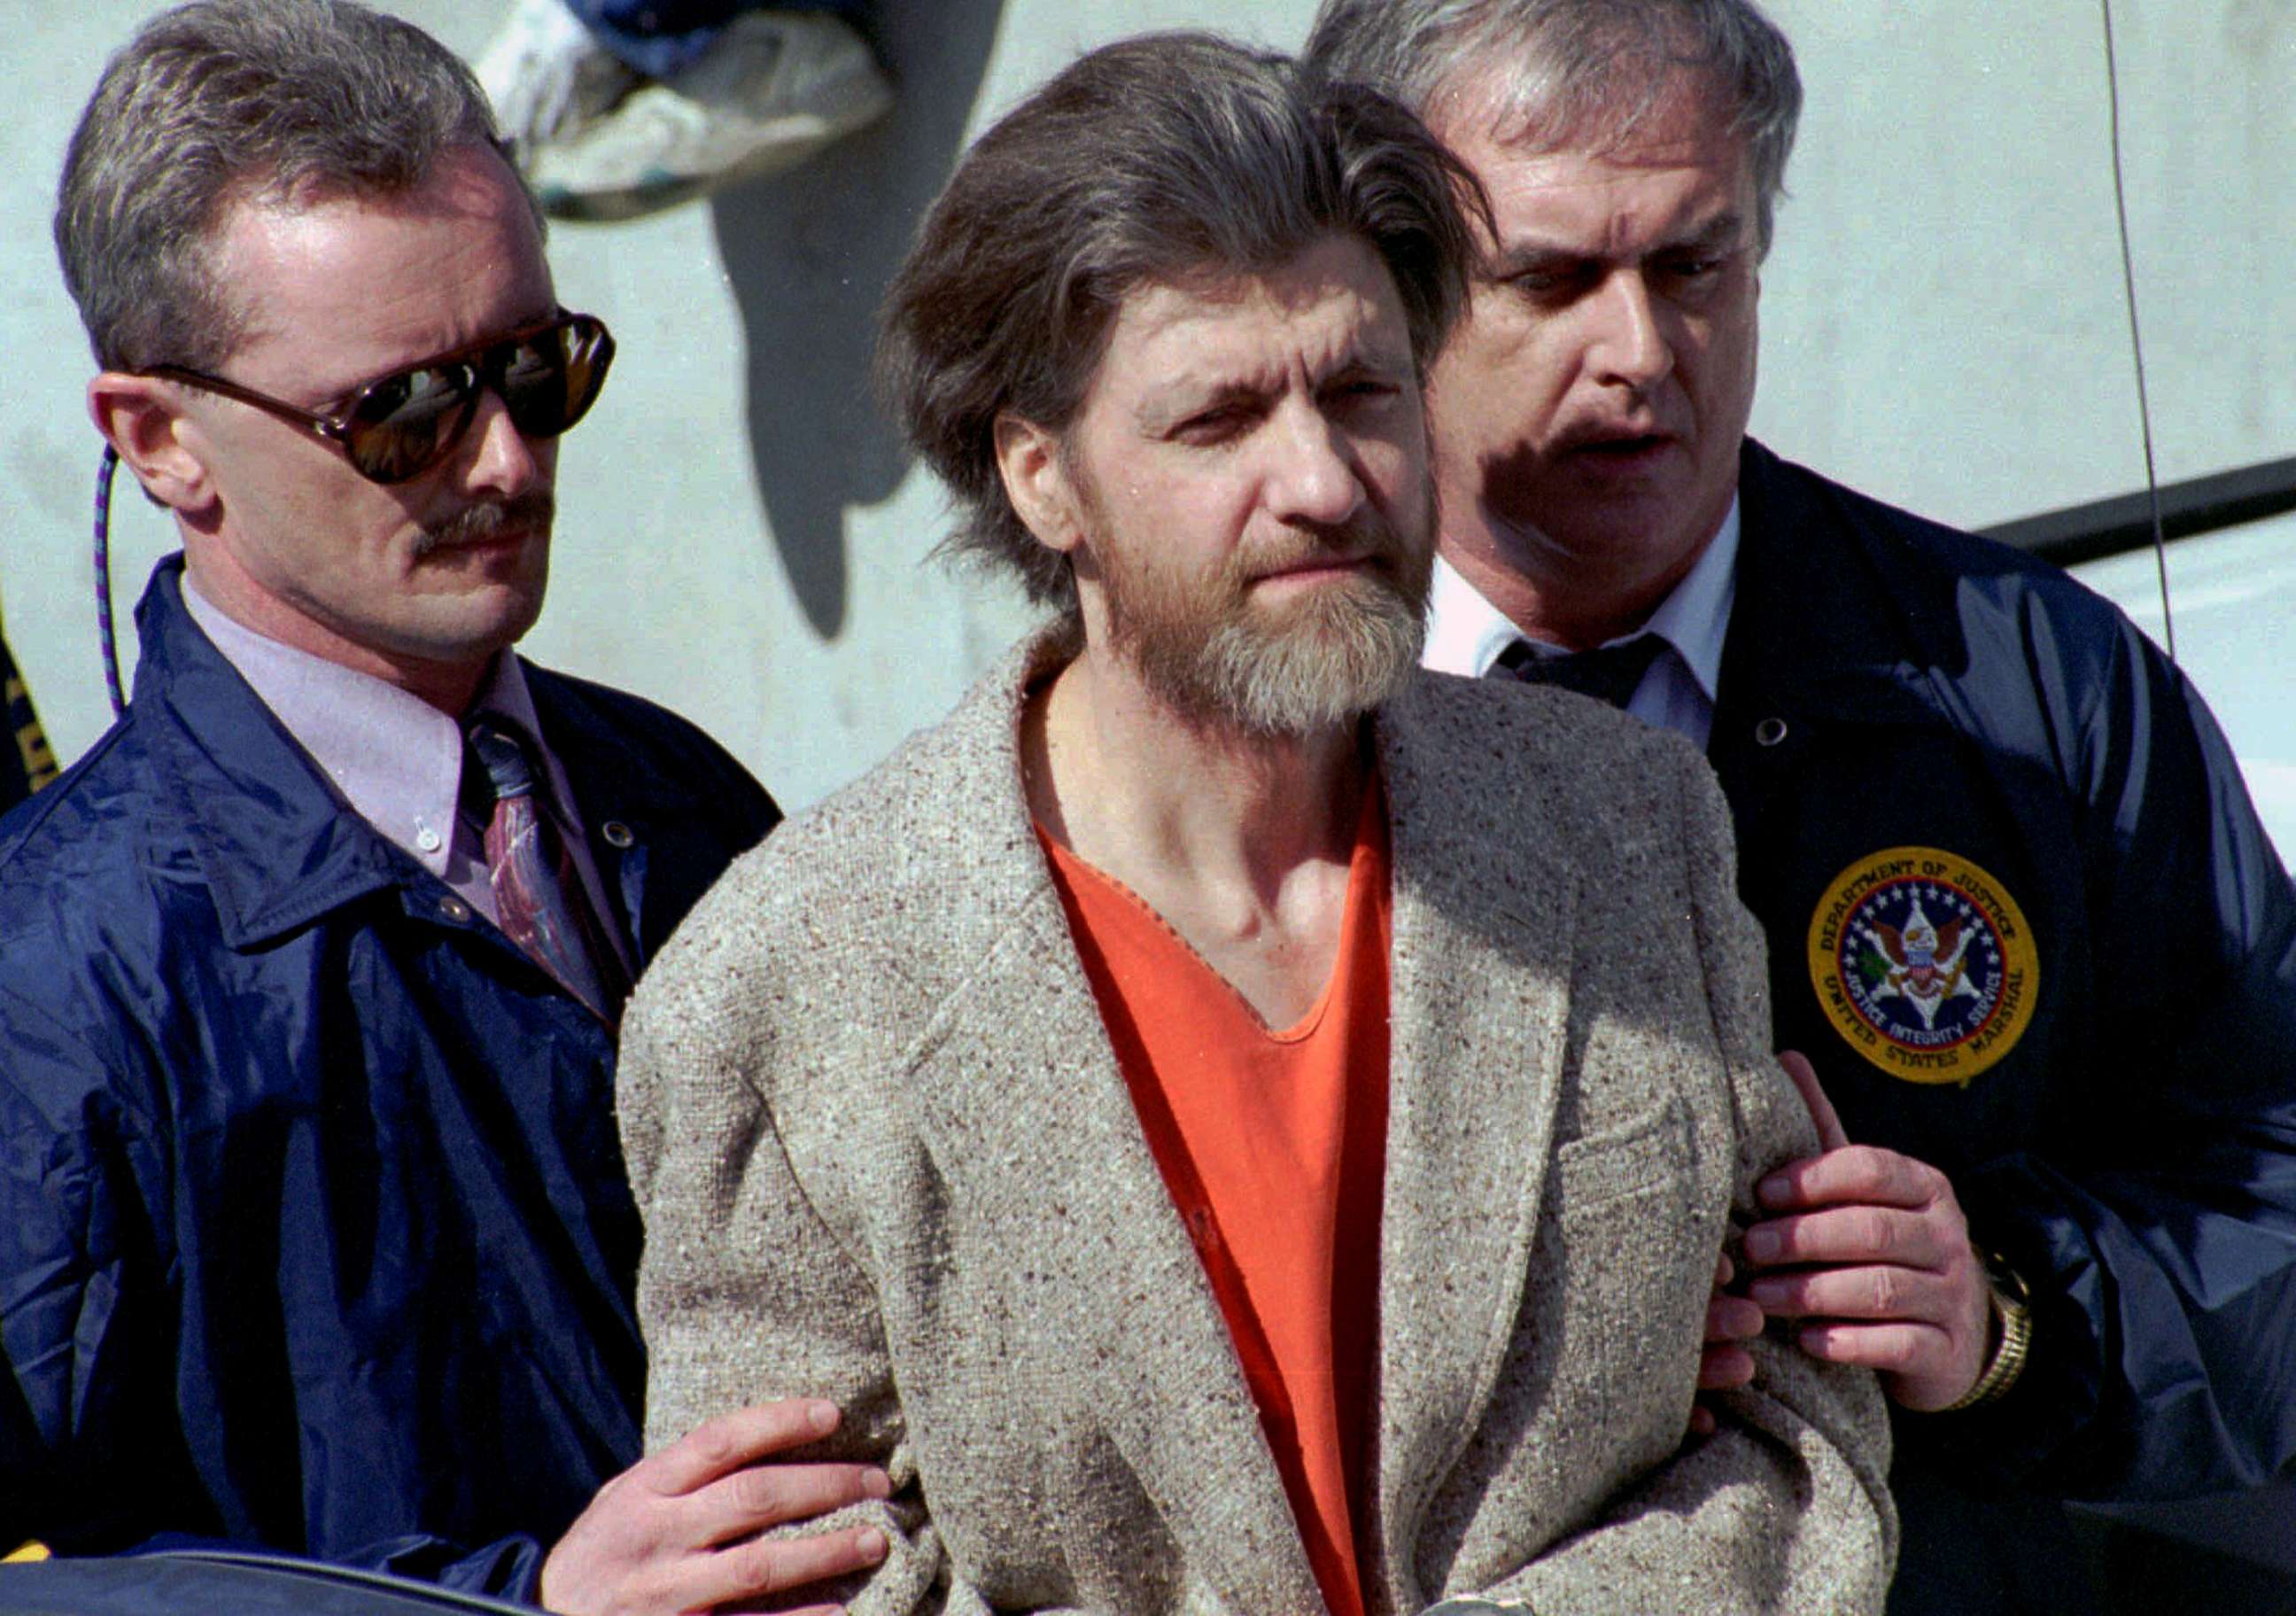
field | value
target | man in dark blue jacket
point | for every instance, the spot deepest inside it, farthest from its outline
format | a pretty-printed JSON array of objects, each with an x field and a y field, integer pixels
[
  {"x": 314, "y": 1227},
  {"x": 2021, "y": 916}
]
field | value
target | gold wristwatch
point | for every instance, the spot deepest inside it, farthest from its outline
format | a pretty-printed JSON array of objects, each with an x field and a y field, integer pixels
[{"x": 2012, "y": 1309}]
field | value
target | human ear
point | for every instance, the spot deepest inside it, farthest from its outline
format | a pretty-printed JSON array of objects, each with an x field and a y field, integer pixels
[
  {"x": 144, "y": 421},
  {"x": 1036, "y": 481}
]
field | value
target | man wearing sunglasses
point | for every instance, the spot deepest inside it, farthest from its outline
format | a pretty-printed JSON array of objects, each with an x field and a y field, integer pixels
[{"x": 313, "y": 1229}]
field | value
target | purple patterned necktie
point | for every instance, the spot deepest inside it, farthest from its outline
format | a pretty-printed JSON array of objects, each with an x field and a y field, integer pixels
[{"x": 538, "y": 898}]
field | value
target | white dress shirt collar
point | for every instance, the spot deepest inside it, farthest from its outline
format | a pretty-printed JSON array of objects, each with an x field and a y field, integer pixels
[
  {"x": 1465, "y": 634},
  {"x": 395, "y": 759},
  {"x": 398, "y": 760}
]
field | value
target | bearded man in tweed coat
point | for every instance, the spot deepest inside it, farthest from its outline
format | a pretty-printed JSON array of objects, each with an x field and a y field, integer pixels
[{"x": 1239, "y": 1124}]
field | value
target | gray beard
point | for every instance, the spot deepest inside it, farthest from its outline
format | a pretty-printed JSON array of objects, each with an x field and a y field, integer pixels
[{"x": 1340, "y": 653}]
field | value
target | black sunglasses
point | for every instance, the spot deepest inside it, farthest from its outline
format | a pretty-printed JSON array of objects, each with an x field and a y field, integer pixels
[
  {"x": 400, "y": 425},
  {"x": 396, "y": 427}
]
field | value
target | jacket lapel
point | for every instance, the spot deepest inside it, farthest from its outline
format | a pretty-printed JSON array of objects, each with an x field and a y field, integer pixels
[
  {"x": 1480, "y": 970},
  {"x": 602, "y": 800},
  {"x": 275, "y": 847},
  {"x": 1017, "y": 1083}
]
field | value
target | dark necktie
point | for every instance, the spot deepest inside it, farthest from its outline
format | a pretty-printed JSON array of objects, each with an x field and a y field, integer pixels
[
  {"x": 538, "y": 898},
  {"x": 1609, "y": 674}
]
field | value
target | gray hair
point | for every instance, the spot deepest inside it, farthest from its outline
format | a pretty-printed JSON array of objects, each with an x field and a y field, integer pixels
[
  {"x": 1145, "y": 161},
  {"x": 1565, "y": 70},
  {"x": 222, "y": 102}
]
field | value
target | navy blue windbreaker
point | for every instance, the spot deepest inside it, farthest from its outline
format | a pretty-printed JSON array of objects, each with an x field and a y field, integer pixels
[
  {"x": 2119, "y": 1123},
  {"x": 314, "y": 1227}
]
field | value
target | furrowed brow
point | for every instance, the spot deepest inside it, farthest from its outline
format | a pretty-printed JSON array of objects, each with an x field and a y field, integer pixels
[
  {"x": 1166, "y": 407},
  {"x": 1523, "y": 257},
  {"x": 1385, "y": 361},
  {"x": 1723, "y": 230}
]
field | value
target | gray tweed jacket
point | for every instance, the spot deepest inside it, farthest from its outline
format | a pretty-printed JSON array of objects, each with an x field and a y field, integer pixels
[{"x": 885, "y": 1155}]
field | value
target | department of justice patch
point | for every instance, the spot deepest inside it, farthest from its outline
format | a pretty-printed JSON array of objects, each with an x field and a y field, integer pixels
[{"x": 1924, "y": 963}]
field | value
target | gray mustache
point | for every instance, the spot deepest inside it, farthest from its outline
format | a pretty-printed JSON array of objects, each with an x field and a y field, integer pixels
[{"x": 476, "y": 524}]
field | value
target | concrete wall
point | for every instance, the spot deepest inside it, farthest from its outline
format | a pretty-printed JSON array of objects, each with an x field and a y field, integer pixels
[{"x": 741, "y": 540}]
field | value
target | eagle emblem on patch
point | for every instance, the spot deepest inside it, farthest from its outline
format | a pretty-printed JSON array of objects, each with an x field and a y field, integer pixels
[{"x": 1925, "y": 964}]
